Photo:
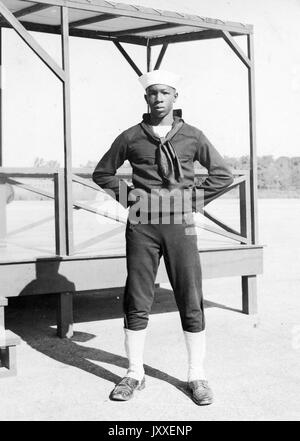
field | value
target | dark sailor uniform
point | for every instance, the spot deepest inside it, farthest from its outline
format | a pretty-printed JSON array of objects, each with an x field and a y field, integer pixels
[{"x": 163, "y": 163}]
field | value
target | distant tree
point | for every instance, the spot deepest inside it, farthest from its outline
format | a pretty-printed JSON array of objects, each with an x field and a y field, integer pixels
[
  {"x": 283, "y": 165},
  {"x": 282, "y": 173},
  {"x": 295, "y": 172},
  {"x": 89, "y": 164},
  {"x": 40, "y": 162}
]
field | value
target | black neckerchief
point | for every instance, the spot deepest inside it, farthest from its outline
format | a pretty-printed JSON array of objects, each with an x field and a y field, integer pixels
[{"x": 168, "y": 163}]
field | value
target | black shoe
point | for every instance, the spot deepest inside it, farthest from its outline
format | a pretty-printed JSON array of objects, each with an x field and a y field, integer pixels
[
  {"x": 124, "y": 390},
  {"x": 201, "y": 392}
]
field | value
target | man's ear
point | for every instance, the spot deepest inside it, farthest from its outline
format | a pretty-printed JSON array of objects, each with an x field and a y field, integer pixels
[
  {"x": 175, "y": 96},
  {"x": 146, "y": 98}
]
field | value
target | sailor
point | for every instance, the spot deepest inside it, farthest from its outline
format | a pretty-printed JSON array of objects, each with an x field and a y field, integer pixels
[{"x": 162, "y": 149}]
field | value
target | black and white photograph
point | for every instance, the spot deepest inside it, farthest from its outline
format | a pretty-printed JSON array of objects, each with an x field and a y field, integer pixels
[{"x": 149, "y": 213}]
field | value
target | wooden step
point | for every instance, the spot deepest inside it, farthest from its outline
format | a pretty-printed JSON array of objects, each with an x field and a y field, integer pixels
[
  {"x": 8, "y": 338},
  {"x": 8, "y": 361},
  {"x": 3, "y": 301}
]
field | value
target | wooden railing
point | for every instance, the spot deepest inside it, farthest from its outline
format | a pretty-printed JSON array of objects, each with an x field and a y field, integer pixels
[{"x": 83, "y": 177}]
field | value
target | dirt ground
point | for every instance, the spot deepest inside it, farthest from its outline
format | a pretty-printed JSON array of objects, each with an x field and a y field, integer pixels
[{"x": 252, "y": 361}]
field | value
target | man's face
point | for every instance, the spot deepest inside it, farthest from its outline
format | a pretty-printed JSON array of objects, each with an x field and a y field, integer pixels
[{"x": 160, "y": 99}]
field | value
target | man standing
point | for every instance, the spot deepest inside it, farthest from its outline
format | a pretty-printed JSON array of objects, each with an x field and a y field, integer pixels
[{"x": 162, "y": 150}]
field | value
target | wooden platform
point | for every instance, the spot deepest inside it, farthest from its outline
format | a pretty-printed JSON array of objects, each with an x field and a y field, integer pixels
[
  {"x": 29, "y": 266},
  {"x": 89, "y": 272}
]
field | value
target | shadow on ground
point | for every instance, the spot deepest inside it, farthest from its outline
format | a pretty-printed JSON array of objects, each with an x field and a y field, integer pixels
[{"x": 33, "y": 318}]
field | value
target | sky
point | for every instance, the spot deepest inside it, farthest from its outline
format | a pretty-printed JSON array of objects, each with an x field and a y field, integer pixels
[{"x": 106, "y": 97}]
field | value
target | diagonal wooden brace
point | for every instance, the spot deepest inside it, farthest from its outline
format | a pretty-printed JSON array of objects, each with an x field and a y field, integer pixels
[
  {"x": 236, "y": 49},
  {"x": 31, "y": 42}
]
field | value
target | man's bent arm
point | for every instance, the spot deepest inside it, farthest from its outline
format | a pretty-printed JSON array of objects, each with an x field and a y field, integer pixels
[
  {"x": 104, "y": 174},
  {"x": 219, "y": 174}
]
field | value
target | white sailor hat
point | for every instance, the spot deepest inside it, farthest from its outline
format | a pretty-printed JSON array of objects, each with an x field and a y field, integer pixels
[{"x": 159, "y": 77}]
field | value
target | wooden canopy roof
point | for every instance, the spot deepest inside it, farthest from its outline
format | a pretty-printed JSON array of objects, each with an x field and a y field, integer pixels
[{"x": 120, "y": 22}]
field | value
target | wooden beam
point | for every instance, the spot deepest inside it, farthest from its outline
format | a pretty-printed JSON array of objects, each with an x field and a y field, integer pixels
[
  {"x": 87, "y": 272},
  {"x": 161, "y": 56},
  {"x": 100, "y": 212},
  {"x": 252, "y": 134},
  {"x": 87, "y": 183},
  {"x": 59, "y": 190},
  {"x": 146, "y": 29},
  {"x": 67, "y": 130},
  {"x": 81, "y": 33},
  {"x": 222, "y": 224},
  {"x": 30, "y": 188},
  {"x": 131, "y": 39},
  {"x": 236, "y": 182},
  {"x": 149, "y": 66},
  {"x": 219, "y": 232},
  {"x": 31, "y": 42},
  {"x": 91, "y": 20},
  {"x": 236, "y": 49},
  {"x": 127, "y": 58},
  {"x": 187, "y": 36},
  {"x": 31, "y": 10},
  {"x": 29, "y": 172},
  {"x": 101, "y": 35}
]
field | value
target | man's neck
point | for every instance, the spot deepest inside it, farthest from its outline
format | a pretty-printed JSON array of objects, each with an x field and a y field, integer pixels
[{"x": 165, "y": 121}]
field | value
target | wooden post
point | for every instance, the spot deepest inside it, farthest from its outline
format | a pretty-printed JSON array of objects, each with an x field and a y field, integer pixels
[
  {"x": 127, "y": 58},
  {"x": 59, "y": 214},
  {"x": 148, "y": 64},
  {"x": 245, "y": 209},
  {"x": 249, "y": 283},
  {"x": 3, "y": 221},
  {"x": 65, "y": 315},
  {"x": 64, "y": 300},
  {"x": 67, "y": 130},
  {"x": 249, "y": 290},
  {"x": 252, "y": 130},
  {"x": 148, "y": 56},
  {"x": 161, "y": 56}
]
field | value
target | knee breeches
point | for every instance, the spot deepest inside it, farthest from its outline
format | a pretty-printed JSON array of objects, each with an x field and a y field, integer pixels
[{"x": 145, "y": 244}]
